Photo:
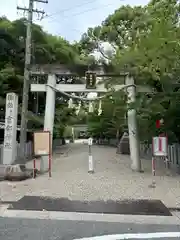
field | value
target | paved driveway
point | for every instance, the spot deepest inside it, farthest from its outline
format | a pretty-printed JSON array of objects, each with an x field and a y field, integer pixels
[{"x": 113, "y": 179}]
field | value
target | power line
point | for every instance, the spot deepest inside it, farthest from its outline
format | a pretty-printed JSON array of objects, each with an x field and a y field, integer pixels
[
  {"x": 77, "y": 14},
  {"x": 69, "y": 9},
  {"x": 80, "y": 13},
  {"x": 23, "y": 131}
]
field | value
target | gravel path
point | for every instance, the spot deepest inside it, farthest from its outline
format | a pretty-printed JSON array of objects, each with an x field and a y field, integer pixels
[{"x": 112, "y": 180}]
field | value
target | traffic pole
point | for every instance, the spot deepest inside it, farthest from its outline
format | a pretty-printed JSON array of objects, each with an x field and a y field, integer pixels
[
  {"x": 34, "y": 168},
  {"x": 153, "y": 185},
  {"x": 90, "y": 157},
  {"x": 153, "y": 166}
]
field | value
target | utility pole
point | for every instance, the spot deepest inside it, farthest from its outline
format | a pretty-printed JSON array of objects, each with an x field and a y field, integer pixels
[{"x": 23, "y": 131}]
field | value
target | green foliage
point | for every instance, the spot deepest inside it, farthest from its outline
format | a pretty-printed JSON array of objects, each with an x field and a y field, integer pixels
[
  {"x": 146, "y": 42},
  {"x": 46, "y": 49},
  {"x": 112, "y": 121}
]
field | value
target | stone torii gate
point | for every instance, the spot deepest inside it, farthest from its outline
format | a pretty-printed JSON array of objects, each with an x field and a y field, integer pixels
[{"x": 51, "y": 87}]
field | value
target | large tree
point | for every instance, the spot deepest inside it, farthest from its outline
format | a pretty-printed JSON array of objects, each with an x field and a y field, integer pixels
[
  {"x": 46, "y": 49},
  {"x": 146, "y": 44}
]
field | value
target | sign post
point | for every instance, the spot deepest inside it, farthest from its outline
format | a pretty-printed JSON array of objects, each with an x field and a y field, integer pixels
[
  {"x": 90, "y": 165},
  {"x": 160, "y": 149},
  {"x": 10, "y": 130},
  {"x": 42, "y": 147}
]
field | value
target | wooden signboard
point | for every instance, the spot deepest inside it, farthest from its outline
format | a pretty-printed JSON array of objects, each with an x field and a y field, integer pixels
[{"x": 42, "y": 143}]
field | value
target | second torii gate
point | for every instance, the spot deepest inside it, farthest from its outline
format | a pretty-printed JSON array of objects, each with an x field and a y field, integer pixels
[{"x": 51, "y": 87}]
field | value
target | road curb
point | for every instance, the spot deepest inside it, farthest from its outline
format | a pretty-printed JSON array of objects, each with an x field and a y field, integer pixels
[{"x": 74, "y": 216}]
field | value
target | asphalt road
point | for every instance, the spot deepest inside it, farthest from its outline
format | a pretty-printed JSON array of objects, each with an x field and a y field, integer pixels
[{"x": 31, "y": 229}]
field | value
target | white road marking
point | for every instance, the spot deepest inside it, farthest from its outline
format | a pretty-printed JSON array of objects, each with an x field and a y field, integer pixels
[{"x": 134, "y": 236}]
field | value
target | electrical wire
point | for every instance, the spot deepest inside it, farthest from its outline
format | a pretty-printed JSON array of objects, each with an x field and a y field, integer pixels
[
  {"x": 85, "y": 11},
  {"x": 65, "y": 18},
  {"x": 76, "y": 14},
  {"x": 69, "y": 9}
]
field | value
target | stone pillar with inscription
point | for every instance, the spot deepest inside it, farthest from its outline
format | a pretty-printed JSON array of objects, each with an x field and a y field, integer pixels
[{"x": 10, "y": 130}]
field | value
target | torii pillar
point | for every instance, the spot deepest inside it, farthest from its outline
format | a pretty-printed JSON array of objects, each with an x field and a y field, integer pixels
[
  {"x": 133, "y": 128},
  {"x": 49, "y": 116}
]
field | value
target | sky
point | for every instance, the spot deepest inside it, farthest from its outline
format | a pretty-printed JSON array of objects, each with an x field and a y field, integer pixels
[{"x": 67, "y": 18}]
